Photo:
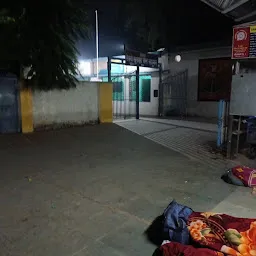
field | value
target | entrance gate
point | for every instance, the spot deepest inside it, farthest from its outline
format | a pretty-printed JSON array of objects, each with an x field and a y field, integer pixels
[
  {"x": 126, "y": 87},
  {"x": 173, "y": 99},
  {"x": 124, "y": 96},
  {"x": 9, "y": 118}
]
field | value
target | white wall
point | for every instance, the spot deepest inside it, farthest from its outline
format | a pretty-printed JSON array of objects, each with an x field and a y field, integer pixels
[
  {"x": 75, "y": 106},
  {"x": 190, "y": 61}
]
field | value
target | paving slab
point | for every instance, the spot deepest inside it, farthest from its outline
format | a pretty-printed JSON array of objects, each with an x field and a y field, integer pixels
[{"x": 95, "y": 190}]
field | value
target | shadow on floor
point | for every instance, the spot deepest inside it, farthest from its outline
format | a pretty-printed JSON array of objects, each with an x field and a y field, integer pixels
[
  {"x": 157, "y": 253},
  {"x": 155, "y": 234}
]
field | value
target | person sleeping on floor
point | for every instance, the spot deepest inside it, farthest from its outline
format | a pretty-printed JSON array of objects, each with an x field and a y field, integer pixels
[{"x": 241, "y": 176}]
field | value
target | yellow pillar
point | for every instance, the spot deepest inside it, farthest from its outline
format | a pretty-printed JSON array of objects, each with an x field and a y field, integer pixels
[
  {"x": 26, "y": 106},
  {"x": 105, "y": 102}
]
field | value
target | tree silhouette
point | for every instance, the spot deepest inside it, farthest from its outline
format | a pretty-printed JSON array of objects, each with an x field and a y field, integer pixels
[{"x": 41, "y": 38}]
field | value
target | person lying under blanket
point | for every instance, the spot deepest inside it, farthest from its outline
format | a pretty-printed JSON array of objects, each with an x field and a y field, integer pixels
[
  {"x": 241, "y": 176},
  {"x": 206, "y": 233}
]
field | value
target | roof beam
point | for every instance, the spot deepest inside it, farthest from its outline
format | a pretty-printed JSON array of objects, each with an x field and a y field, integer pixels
[
  {"x": 211, "y": 5},
  {"x": 234, "y": 6},
  {"x": 226, "y": 3},
  {"x": 251, "y": 14},
  {"x": 252, "y": 23}
]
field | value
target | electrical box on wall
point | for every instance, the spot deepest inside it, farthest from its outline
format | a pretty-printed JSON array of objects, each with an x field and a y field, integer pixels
[{"x": 243, "y": 92}]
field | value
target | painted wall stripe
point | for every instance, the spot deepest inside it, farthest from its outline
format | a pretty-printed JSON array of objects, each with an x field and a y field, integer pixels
[
  {"x": 105, "y": 102},
  {"x": 26, "y": 106}
]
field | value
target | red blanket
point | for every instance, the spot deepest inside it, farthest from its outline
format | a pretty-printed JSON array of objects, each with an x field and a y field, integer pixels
[
  {"x": 176, "y": 249},
  {"x": 246, "y": 175},
  {"x": 216, "y": 235},
  {"x": 223, "y": 233}
]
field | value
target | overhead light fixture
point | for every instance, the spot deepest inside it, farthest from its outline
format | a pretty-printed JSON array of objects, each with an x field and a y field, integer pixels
[{"x": 177, "y": 58}]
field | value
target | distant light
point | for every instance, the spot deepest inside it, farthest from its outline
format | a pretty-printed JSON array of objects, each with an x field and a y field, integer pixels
[
  {"x": 116, "y": 61},
  {"x": 161, "y": 50},
  {"x": 177, "y": 58},
  {"x": 84, "y": 68},
  {"x": 96, "y": 79},
  {"x": 120, "y": 47}
]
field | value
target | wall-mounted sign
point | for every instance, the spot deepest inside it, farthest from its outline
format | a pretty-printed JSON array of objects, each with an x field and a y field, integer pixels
[
  {"x": 214, "y": 79},
  {"x": 135, "y": 58},
  {"x": 244, "y": 42}
]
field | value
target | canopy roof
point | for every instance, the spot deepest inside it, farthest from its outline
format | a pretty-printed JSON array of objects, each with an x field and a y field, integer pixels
[{"x": 238, "y": 10}]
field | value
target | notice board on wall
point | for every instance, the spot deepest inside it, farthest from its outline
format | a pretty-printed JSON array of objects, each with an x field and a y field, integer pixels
[
  {"x": 243, "y": 93},
  {"x": 244, "y": 42},
  {"x": 214, "y": 79}
]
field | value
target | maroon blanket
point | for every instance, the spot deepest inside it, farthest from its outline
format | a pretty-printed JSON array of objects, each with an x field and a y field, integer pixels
[
  {"x": 176, "y": 249},
  {"x": 246, "y": 175},
  {"x": 224, "y": 233},
  {"x": 216, "y": 235}
]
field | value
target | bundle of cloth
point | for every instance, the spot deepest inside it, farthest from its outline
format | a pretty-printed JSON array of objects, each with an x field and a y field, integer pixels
[
  {"x": 241, "y": 176},
  {"x": 204, "y": 233}
]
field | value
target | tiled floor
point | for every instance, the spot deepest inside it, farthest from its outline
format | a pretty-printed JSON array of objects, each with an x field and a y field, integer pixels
[
  {"x": 192, "y": 139},
  {"x": 95, "y": 190}
]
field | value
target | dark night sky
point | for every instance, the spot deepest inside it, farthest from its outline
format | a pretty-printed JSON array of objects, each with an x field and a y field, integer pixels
[{"x": 186, "y": 23}]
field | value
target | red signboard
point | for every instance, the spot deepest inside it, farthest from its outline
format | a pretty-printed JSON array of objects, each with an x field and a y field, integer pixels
[
  {"x": 244, "y": 42},
  {"x": 241, "y": 43}
]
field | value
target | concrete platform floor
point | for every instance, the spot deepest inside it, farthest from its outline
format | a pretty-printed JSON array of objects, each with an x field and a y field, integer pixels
[{"x": 94, "y": 191}]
